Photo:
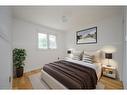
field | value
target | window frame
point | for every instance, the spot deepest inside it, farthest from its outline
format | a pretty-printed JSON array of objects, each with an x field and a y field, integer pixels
[
  {"x": 47, "y": 41},
  {"x": 38, "y": 41}
]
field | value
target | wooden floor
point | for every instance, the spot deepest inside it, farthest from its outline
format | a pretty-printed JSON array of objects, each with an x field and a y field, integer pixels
[
  {"x": 111, "y": 83},
  {"x": 24, "y": 82}
]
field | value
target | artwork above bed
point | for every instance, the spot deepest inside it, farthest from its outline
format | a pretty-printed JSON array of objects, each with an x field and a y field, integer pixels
[{"x": 87, "y": 36}]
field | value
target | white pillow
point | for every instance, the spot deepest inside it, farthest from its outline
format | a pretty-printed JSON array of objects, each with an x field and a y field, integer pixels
[
  {"x": 87, "y": 58},
  {"x": 76, "y": 56},
  {"x": 96, "y": 55}
]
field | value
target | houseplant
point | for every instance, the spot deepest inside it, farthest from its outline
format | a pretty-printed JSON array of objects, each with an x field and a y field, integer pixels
[{"x": 19, "y": 56}]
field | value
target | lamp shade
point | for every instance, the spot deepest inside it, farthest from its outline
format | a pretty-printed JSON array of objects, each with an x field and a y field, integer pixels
[
  {"x": 69, "y": 52},
  {"x": 108, "y": 55}
]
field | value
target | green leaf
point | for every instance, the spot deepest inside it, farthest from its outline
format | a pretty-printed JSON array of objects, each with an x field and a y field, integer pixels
[{"x": 19, "y": 56}]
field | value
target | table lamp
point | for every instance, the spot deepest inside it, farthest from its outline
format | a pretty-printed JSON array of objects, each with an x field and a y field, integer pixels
[{"x": 108, "y": 56}]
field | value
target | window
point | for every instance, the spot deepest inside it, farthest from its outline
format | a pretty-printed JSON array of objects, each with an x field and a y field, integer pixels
[
  {"x": 52, "y": 41},
  {"x": 42, "y": 41},
  {"x": 46, "y": 41}
]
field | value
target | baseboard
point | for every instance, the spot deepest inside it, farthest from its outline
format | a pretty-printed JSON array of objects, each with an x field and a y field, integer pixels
[{"x": 32, "y": 71}]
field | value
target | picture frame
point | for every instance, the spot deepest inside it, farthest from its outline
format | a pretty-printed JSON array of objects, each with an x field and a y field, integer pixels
[{"x": 87, "y": 36}]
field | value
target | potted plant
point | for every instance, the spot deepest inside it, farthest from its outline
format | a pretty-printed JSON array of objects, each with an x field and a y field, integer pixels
[{"x": 19, "y": 56}]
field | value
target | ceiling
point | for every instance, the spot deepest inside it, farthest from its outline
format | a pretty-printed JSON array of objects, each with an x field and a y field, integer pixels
[{"x": 65, "y": 18}]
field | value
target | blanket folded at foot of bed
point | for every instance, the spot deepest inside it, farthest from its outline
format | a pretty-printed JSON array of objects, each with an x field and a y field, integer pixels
[{"x": 71, "y": 75}]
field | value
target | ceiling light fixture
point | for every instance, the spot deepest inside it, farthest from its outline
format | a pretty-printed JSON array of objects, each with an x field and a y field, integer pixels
[{"x": 64, "y": 19}]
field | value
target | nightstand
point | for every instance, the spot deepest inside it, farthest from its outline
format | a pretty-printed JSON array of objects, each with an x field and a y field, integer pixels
[{"x": 109, "y": 71}]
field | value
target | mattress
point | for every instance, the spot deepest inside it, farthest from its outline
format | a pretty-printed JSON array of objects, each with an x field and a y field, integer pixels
[{"x": 54, "y": 84}]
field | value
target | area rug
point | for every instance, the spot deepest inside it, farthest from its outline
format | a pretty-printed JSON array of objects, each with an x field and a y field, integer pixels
[
  {"x": 38, "y": 83},
  {"x": 100, "y": 85}
]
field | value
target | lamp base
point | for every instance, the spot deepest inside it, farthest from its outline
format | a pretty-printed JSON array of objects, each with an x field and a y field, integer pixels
[{"x": 108, "y": 65}]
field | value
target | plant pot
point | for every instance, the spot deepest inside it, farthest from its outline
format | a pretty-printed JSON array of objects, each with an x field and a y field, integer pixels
[{"x": 19, "y": 71}]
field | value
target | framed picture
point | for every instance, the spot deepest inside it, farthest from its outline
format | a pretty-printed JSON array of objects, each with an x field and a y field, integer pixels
[{"x": 87, "y": 36}]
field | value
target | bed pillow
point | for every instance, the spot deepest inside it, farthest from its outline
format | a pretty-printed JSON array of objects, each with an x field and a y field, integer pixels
[
  {"x": 87, "y": 58},
  {"x": 95, "y": 55},
  {"x": 95, "y": 59},
  {"x": 76, "y": 56}
]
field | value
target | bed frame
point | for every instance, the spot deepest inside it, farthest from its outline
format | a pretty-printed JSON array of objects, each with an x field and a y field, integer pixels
[{"x": 53, "y": 83}]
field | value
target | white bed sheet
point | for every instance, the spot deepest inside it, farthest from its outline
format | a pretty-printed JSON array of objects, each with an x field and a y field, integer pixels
[{"x": 54, "y": 84}]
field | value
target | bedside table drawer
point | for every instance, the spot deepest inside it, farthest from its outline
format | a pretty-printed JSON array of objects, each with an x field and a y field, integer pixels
[
  {"x": 109, "y": 72},
  {"x": 110, "y": 75}
]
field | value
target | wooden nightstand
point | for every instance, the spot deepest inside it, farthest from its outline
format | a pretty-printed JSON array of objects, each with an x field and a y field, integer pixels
[{"x": 109, "y": 71}]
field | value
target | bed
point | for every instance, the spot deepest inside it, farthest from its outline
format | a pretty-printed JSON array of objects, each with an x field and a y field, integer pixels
[{"x": 56, "y": 83}]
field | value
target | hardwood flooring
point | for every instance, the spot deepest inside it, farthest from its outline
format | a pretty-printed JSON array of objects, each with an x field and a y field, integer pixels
[
  {"x": 24, "y": 82},
  {"x": 111, "y": 83}
]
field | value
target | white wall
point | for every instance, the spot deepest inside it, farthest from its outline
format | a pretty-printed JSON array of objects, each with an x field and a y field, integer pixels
[
  {"x": 109, "y": 32},
  {"x": 109, "y": 35},
  {"x": 125, "y": 73},
  {"x": 5, "y": 48},
  {"x": 125, "y": 50},
  {"x": 25, "y": 36}
]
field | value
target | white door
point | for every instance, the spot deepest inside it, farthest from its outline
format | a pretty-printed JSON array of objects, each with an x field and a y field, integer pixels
[{"x": 5, "y": 64}]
